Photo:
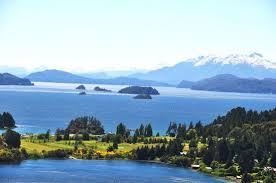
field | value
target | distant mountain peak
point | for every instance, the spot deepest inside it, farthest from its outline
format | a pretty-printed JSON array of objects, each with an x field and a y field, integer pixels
[
  {"x": 252, "y": 65},
  {"x": 255, "y": 54},
  {"x": 253, "y": 59}
]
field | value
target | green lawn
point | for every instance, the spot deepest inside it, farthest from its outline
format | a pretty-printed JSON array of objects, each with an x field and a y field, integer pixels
[{"x": 54, "y": 145}]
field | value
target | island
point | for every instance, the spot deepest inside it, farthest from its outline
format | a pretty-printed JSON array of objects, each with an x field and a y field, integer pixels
[
  {"x": 97, "y": 88},
  {"x": 9, "y": 79},
  {"x": 238, "y": 145},
  {"x": 142, "y": 96},
  {"x": 82, "y": 93},
  {"x": 81, "y": 87},
  {"x": 139, "y": 90}
]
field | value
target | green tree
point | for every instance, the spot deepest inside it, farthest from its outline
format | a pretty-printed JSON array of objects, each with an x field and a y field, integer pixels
[
  {"x": 6, "y": 120},
  {"x": 141, "y": 130},
  {"x": 47, "y": 135},
  {"x": 58, "y": 136},
  {"x": 121, "y": 129},
  {"x": 148, "y": 130},
  {"x": 12, "y": 139}
]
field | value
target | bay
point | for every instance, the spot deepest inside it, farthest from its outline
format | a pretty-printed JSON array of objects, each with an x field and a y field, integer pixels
[{"x": 52, "y": 105}]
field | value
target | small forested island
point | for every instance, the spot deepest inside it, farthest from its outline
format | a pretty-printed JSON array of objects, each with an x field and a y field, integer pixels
[
  {"x": 81, "y": 87},
  {"x": 142, "y": 96},
  {"x": 97, "y": 88},
  {"x": 240, "y": 145},
  {"x": 9, "y": 79},
  {"x": 6, "y": 120},
  {"x": 139, "y": 90},
  {"x": 82, "y": 93}
]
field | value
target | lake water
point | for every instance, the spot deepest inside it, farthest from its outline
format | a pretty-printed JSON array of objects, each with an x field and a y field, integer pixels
[
  {"x": 52, "y": 105},
  {"x": 100, "y": 171}
]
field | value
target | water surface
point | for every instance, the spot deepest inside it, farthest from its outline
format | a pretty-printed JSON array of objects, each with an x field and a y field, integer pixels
[
  {"x": 52, "y": 105},
  {"x": 100, "y": 171}
]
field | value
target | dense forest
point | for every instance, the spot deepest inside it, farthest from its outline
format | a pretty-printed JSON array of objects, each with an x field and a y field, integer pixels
[{"x": 239, "y": 144}]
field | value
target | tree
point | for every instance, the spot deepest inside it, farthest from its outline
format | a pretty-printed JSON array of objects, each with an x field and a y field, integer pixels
[
  {"x": 141, "y": 130},
  {"x": 47, "y": 135},
  {"x": 207, "y": 156},
  {"x": 172, "y": 129},
  {"x": 174, "y": 147},
  {"x": 115, "y": 145},
  {"x": 181, "y": 131},
  {"x": 121, "y": 129},
  {"x": 247, "y": 178},
  {"x": 58, "y": 136},
  {"x": 66, "y": 135},
  {"x": 86, "y": 123},
  {"x": 191, "y": 126},
  {"x": 148, "y": 130},
  {"x": 6, "y": 120},
  {"x": 85, "y": 136},
  {"x": 273, "y": 159},
  {"x": 199, "y": 128},
  {"x": 246, "y": 154},
  {"x": 12, "y": 139},
  {"x": 222, "y": 151}
]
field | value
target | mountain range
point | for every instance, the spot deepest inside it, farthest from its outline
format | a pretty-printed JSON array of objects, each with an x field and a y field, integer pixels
[
  {"x": 251, "y": 65},
  {"x": 59, "y": 76},
  {"x": 231, "y": 83}
]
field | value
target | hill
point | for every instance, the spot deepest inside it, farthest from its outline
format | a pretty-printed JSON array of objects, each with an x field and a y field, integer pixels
[
  {"x": 231, "y": 83},
  {"x": 9, "y": 79},
  {"x": 59, "y": 76},
  {"x": 194, "y": 69}
]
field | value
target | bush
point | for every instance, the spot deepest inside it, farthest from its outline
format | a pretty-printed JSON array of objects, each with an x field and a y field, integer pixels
[
  {"x": 10, "y": 155},
  {"x": 59, "y": 153},
  {"x": 110, "y": 148},
  {"x": 268, "y": 179},
  {"x": 233, "y": 170},
  {"x": 214, "y": 164},
  {"x": 181, "y": 161},
  {"x": 247, "y": 178}
]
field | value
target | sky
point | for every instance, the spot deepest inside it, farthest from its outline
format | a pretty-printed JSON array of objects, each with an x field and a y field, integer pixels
[{"x": 93, "y": 35}]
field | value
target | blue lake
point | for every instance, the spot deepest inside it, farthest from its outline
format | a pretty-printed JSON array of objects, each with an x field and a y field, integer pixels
[
  {"x": 51, "y": 105},
  {"x": 100, "y": 171}
]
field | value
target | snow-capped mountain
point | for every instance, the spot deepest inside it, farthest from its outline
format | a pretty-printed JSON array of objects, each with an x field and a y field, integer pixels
[
  {"x": 251, "y": 65},
  {"x": 254, "y": 59}
]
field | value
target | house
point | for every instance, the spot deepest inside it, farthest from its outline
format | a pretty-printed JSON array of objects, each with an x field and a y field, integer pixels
[{"x": 195, "y": 166}]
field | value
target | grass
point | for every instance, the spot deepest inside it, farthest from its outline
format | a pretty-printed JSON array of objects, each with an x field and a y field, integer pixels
[
  {"x": 40, "y": 146},
  {"x": 47, "y": 146}
]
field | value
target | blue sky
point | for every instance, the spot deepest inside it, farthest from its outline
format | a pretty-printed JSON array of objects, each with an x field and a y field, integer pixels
[{"x": 126, "y": 34}]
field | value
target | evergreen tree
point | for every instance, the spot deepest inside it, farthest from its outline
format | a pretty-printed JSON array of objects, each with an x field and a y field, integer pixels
[
  {"x": 181, "y": 131},
  {"x": 172, "y": 129},
  {"x": 12, "y": 139},
  {"x": 6, "y": 120},
  {"x": 66, "y": 135},
  {"x": 222, "y": 151},
  {"x": 148, "y": 130},
  {"x": 191, "y": 126},
  {"x": 47, "y": 135},
  {"x": 142, "y": 130},
  {"x": 58, "y": 136}
]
